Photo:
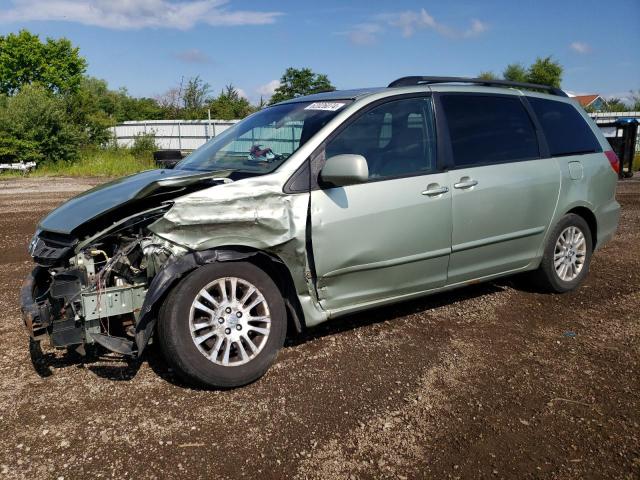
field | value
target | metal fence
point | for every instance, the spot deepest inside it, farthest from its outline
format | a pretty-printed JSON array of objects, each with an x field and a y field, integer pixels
[{"x": 171, "y": 134}]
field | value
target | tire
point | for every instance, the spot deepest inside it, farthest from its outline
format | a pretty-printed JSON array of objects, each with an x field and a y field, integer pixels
[
  {"x": 202, "y": 362},
  {"x": 547, "y": 277}
]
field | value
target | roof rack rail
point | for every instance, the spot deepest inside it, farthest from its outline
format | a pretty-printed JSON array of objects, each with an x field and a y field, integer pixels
[{"x": 418, "y": 80}]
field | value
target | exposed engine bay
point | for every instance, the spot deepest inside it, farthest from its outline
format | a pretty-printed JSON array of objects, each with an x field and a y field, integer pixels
[
  {"x": 107, "y": 259},
  {"x": 93, "y": 292}
]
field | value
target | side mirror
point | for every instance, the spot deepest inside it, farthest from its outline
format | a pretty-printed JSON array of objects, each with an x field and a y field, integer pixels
[{"x": 346, "y": 169}]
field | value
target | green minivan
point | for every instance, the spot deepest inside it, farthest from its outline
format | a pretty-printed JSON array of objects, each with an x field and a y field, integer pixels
[{"x": 319, "y": 207}]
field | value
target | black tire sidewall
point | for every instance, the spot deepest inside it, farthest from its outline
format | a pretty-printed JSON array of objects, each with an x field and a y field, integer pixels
[
  {"x": 554, "y": 282},
  {"x": 175, "y": 337}
]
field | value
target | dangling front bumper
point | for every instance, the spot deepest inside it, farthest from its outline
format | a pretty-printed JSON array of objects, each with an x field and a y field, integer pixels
[{"x": 36, "y": 317}]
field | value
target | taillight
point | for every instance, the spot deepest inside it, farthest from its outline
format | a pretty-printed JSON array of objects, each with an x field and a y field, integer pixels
[{"x": 613, "y": 160}]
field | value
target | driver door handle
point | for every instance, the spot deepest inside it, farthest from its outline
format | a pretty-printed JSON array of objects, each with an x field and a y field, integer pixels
[
  {"x": 434, "y": 189},
  {"x": 465, "y": 182}
]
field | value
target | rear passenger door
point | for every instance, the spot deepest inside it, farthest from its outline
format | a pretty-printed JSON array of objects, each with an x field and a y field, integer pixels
[{"x": 503, "y": 193}]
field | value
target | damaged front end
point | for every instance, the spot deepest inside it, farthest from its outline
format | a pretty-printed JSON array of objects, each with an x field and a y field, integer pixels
[
  {"x": 108, "y": 257},
  {"x": 96, "y": 259},
  {"x": 93, "y": 291},
  {"x": 106, "y": 288}
]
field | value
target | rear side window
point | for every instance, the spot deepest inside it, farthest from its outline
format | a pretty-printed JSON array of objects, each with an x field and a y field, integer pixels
[
  {"x": 566, "y": 131},
  {"x": 486, "y": 129}
]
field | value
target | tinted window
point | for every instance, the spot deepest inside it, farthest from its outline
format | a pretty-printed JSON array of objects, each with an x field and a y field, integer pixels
[
  {"x": 566, "y": 131},
  {"x": 488, "y": 129},
  {"x": 397, "y": 138}
]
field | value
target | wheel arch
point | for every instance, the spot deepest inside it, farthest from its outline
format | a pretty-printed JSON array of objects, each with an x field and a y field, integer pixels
[
  {"x": 174, "y": 271},
  {"x": 589, "y": 217},
  {"x": 276, "y": 268}
]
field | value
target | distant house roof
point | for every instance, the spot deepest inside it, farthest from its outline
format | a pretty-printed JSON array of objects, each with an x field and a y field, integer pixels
[{"x": 586, "y": 100}]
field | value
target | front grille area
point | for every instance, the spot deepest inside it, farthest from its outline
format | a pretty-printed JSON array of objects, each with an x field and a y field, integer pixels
[{"x": 49, "y": 249}]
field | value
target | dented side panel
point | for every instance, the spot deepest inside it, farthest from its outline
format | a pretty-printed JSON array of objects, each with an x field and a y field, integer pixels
[{"x": 254, "y": 213}]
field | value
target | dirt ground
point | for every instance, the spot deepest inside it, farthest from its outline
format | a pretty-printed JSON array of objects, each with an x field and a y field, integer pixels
[{"x": 491, "y": 381}]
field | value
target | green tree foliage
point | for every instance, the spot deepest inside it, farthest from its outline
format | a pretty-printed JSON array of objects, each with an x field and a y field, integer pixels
[
  {"x": 93, "y": 107},
  {"x": 194, "y": 98},
  {"x": 615, "y": 105},
  {"x": 488, "y": 76},
  {"x": 545, "y": 71},
  {"x": 144, "y": 144},
  {"x": 230, "y": 105},
  {"x": 297, "y": 82},
  {"x": 26, "y": 60},
  {"x": 49, "y": 109},
  {"x": 34, "y": 126},
  {"x": 515, "y": 72}
]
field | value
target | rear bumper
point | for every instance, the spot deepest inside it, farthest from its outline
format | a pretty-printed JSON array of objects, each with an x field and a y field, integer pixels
[
  {"x": 607, "y": 219},
  {"x": 36, "y": 317}
]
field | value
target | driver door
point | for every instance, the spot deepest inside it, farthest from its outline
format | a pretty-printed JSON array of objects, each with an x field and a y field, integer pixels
[{"x": 390, "y": 236}]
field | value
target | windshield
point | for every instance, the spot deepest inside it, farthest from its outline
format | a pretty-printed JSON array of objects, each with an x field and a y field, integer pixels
[{"x": 263, "y": 141}]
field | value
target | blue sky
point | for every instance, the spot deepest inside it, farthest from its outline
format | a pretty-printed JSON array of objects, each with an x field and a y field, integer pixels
[{"x": 148, "y": 45}]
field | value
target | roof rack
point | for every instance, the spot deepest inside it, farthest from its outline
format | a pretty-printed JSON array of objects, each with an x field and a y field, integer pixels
[{"x": 418, "y": 80}]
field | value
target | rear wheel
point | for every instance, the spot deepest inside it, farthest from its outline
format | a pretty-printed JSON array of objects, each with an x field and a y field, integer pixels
[
  {"x": 223, "y": 325},
  {"x": 567, "y": 255}
]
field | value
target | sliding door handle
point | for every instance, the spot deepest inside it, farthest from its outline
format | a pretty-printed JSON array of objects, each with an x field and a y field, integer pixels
[{"x": 465, "y": 182}]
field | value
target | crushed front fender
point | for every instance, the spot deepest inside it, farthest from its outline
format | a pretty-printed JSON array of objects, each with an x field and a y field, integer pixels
[{"x": 254, "y": 214}]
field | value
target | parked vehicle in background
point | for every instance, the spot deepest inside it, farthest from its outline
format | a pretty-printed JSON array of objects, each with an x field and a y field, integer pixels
[
  {"x": 167, "y": 158},
  {"x": 322, "y": 206},
  {"x": 22, "y": 167}
]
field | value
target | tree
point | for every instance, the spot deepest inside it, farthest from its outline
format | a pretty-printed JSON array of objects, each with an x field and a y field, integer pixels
[
  {"x": 297, "y": 82},
  {"x": 635, "y": 100},
  {"x": 186, "y": 101},
  {"x": 170, "y": 102},
  {"x": 230, "y": 105},
  {"x": 93, "y": 108},
  {"x": 515, "y": 72},
  {"x": 35, "y": 126},
  {"x": 194, "y": 97},
  {"x": 26, "y": 60},
  {"x": 615, "y": 105},
  {"x": 142, "y": 108},
  {"x": 488, "y": 76},
  {"x": 545, "y": 71}
]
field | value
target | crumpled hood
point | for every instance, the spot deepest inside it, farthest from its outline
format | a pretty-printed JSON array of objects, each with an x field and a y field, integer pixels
[{"x": 113, "y": 195}]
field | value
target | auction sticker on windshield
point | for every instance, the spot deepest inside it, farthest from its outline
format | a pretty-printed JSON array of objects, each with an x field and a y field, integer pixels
[{"x": 328, "y": 106}]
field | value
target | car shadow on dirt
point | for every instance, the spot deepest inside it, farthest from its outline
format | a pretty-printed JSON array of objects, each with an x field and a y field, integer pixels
[
  {"x": 99, "y": 361},
  {"x": 351, "y": 322},
  {"x": 394, "y": 311},
  {"x": 116, "y": 367}
]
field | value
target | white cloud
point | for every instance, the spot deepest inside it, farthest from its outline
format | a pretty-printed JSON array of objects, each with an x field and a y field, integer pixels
[
  {"x": 477, "y": 27},
  {"x": 580, "y": 47},
  {"x": 135, "y": 14},
  {"x": 193, "y": 55},
  {"x": 408, "y": 22},
  {"x": 364, "y": 33},
  {"x": 267, "y": 89},
  {"x": 242, "y": 93}
]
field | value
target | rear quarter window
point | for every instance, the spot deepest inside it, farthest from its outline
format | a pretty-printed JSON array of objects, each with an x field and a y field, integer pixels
[{"x": 566, "y": 131}]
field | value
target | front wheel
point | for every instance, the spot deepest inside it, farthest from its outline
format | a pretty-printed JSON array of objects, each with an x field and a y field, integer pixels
[
  {"x": 567, "y": 255},
  {"x": 223, "y": 325}
]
